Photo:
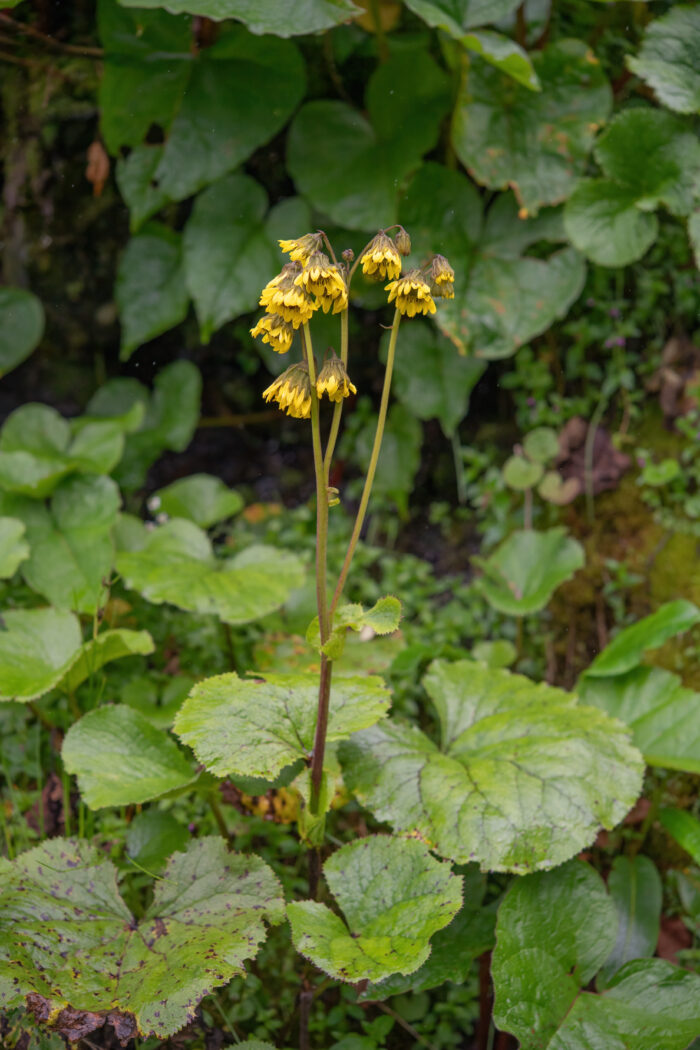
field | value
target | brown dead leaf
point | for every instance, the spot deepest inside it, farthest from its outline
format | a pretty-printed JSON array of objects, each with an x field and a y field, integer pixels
[
  {"x": 677, "y": 377},
  {"x": 74, "y": 1024},
  {"x": 608, "y": 464},
  {"x": 97, "y": 171}
]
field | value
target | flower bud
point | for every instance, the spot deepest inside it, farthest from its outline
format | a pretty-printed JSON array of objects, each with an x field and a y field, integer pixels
[{"x": 403, "y": 242}]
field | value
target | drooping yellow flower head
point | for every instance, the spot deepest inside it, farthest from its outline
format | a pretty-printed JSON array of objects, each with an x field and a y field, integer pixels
[
  {"x": 381, "y": 260},
  {"x": 412, "y": 294},
  {"x": 442, "y": 278},
  {"x": 275, "y": 331},
  {"x": 283, "y": 296},
  {"x": 334, "y": 380},
  {"x": 300, "y": 248},
  {"x": 292, "y": 391},
  {"x": 324, "y": 279}
]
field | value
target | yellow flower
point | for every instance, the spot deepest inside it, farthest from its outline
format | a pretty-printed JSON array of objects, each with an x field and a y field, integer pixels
[
  {"x": 381, "y": 260},
  {"x": 442, "y": 278},
  {"x": 324, "y": 279},
  {"x": 300, "y": 248},
  {"x": 334, "y": 380},
  {"x": 412, "y": 294},
  {"x": 282, "y": 296},
  {"x": 292, "y": 391},
  {"x": 275, "y": 331}
]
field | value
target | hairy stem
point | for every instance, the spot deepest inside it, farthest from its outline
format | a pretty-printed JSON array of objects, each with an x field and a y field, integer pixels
[{"x": 372, "y": 469}]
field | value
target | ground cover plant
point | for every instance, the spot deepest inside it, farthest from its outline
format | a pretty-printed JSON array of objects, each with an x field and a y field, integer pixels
[{"x": 349, "y": 600}]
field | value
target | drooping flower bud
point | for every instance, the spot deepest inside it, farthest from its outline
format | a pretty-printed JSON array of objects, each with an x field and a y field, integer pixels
[
  {"x": 292, "y": 391},
  {"x": 283, "y": 296},
  {"x": 323, "y": 279},
  {"x": 412, "y": 294},
  {"x": 300, "y": 248},
  {"x": 442, "y": 277},
  {"x": 275, "y": 331},
  {"x": 334, "y": 380},
  {"x": 403, "y": 242},
  {"x": 381, "y": 259}
]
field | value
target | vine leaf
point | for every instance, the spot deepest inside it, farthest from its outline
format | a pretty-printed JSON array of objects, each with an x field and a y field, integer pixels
[
  {"x": 60, "y": 900},
  {"x": 175, "y": 563},
  {"x": 534, "y": 142},
  {"x": 524, "y": 571},
  {"x": 350, "y": 167},
  {"x": 257, "y": 728},
  {"x": 502, "y": 297},
  {"x": 523, "y": 777},
  {"x": 264, "y": 16},
  {"x": 394, "y": 896},
  {"x": 667, "y": 60},
  {"x": 200, "y": 498},
  {"x": 554, "y": 932},
  {"x": 21, "y": 326},
  {"x": 121, "y": 759}
]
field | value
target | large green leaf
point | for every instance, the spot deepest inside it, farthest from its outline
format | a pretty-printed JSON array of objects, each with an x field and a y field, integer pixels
[
  {"x": 256, "y": 728},
  {"x": 241, "y": 92},
  {"x": 394, "y": 896},
  {"x": 200, "y": 498},
  {"x": 119, "y": 758},
  {"x": 71, "y": 549},
  {"x": 635, "y": 889},
  {"x": 554, "y": 932},
  {"x": 453, "y": 949},
  {"x": 37, "y": 647},
  {"x": 176, "y": 564},
  {"x": 228, "y": 256},
  {"x": 152, "y": 836},
  {"x": 627, "y": 648},
  {"x": 351, "y": 167},
  {"x": 207, "y": 914},
  {"x": 136, "y": 180},
  {"x": 265, "y": 16},
  {"x": 147, "y": 66},
  {"x": 523, "y": 777},
  {"x": 34, "y": 456},
  {"x": 14, "y": 548},
  {"x": 150, "y": 290},
  {"x": 668, "y": 58},
  {"x": 431, "y": 378},
  {"x": 170, "y": 417},
  {"x": 524, "y": 571},
  {"x": 663, "y": 715},
  {"x": 535, "y": 143},
  {"x": 21, "y": 326},
  {"x": 502, "y": 298},
  {"x": 649, "y": 158}
]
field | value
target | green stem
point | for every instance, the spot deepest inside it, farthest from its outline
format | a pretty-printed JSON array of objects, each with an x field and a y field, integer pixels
[
  {"x": 219, "y": 818},
  {"x": 321, "y": 494},
  {"x": 372, "y": 469},
  {"x": 338, "y": 407}
]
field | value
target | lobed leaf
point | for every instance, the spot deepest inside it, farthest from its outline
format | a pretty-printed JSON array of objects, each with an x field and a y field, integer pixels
[
  {"x": 523, "y": 777},
  {"x": 60, "y": 901},
  {"x": 256, "y": 728},
  {"x": 394, "y": 896}
]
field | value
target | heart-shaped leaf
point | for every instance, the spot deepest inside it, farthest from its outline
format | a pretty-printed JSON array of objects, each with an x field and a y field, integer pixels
[
  {"x": 523, "y": 572},
  {"x": 554, "y": 932},
  {"x": 207, "y": 913},
  {"x": 21, "y": 326},
  {"x": 150, "y": 290},
  {"x": 520, "y": 473},
  {"x": 502, "y": 298},
  {"x": 119, "y": 758},
  {"x": 351, "y": 167},
  {"x": 176, "y": 564},
  {"x": 37, "y": 647},
  {"x": 14, "y": 549},
  {"x": 667, "y": 59},
  {"x": 136, "y": 180},
  {"x": 256, "y": 728},
  {"x": 394, "y": 896},
  {"x": 200, "y": 498},
  {"x": 523, "y": 777},
  {"x": 535, "y": 142},
  {"x": 264, "y": 16}
]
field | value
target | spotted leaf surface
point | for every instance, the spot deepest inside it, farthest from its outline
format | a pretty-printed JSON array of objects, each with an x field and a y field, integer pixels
[
  {"x": 70, "y": 943},
  {"x": 522, "y": 779},
  {"x": 393, "y": 895}
]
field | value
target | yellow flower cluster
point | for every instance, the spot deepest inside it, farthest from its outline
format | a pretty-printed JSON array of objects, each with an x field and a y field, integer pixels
[
  {"x": 275, "y": 331},
  {"x": 334, "y": 380},
  {"x": 412, "y": 294},
  {"x": 292, "y": 391},
  {"x": 443, "y": 278},
  {"x": 323, "y": 279},
  {"x": 282, "y": 295}
]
